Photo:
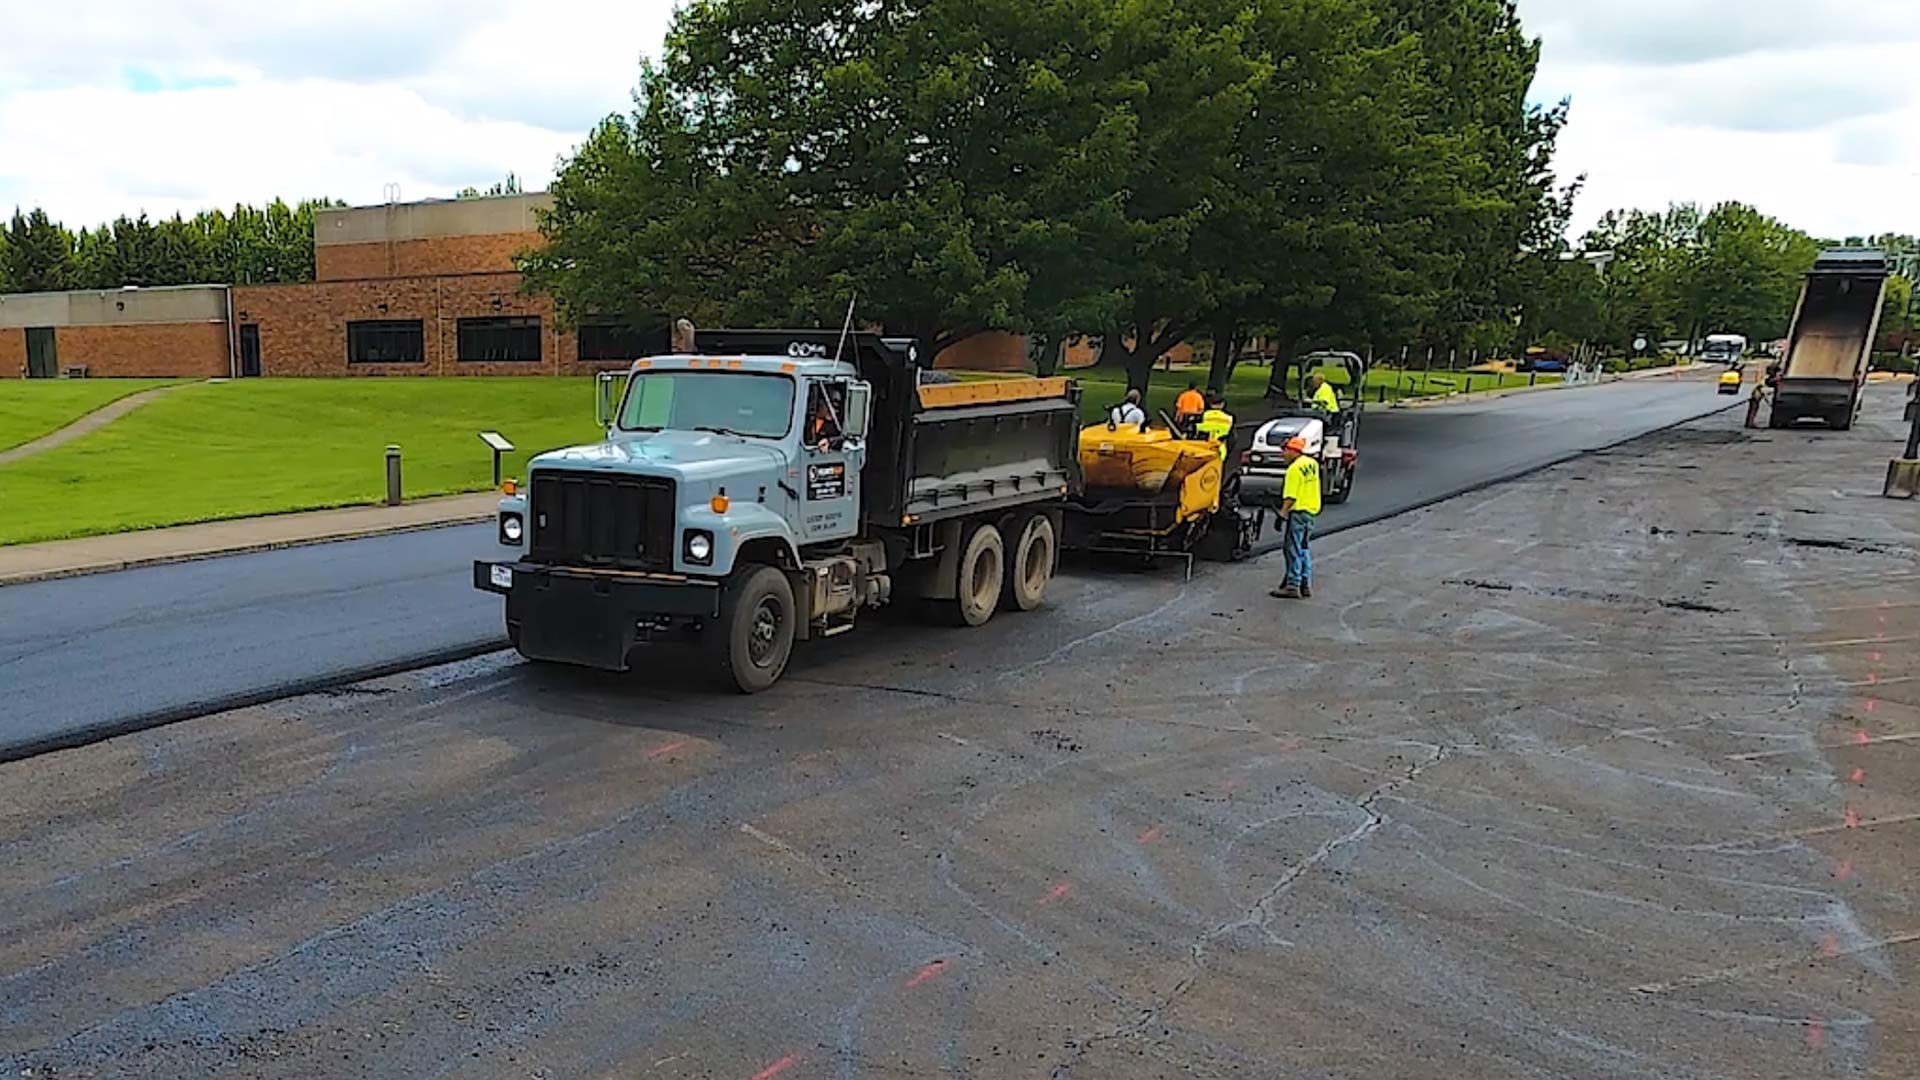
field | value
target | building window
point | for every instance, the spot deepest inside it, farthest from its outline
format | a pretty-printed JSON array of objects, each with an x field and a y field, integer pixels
[
  {"x": 510, "y": 337},
  {"x": 386, "y": 341},
  {"x": 603, "y": 338}
]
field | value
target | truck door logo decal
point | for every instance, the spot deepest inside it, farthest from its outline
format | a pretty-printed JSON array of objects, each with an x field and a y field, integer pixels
[{"x": 827, "y": 481}]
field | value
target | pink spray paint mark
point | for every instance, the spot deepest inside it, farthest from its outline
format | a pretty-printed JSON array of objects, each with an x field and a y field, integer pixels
[
  {"x": 1861, "y": 738},
  {"x": 1870, "y": 704},
  {"x": 1816, "y": 1034},
  {"x": 1851, "y": 819},
  {"x": 1150, "y": 835},
  {"x": 1873, "y": 678},
  {"x": 1874, "y": 657},
  {"x": 1844, "y": 870},
  {"x": 926, "y": 973},
  {"x": 1829, "y": 946},
  {"x": 1055, "y": 893},
  {"x": 663, "y": 751},
  {"x": 776, "y": 1068},
  {"x": 1858, "y": 776}
]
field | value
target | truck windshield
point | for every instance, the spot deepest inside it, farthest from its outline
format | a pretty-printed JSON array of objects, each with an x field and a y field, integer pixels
[{"x": 735, "y": 403}]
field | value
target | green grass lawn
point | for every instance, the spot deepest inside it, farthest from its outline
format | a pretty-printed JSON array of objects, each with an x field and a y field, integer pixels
[
  {"x": 30, "y": 408},
  {"x": 258, "y": 446},
  {"x": 1104, "y": 387}
]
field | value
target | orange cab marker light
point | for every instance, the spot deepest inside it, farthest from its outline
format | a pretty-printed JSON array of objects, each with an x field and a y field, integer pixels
[
  {"x": 733, "y": 363},
  {"x": 787, "y": 368},
  {"x": 719, "y": 503},
  {"x": 643, "y": 364},
  {"x": 508, "y": 487}
]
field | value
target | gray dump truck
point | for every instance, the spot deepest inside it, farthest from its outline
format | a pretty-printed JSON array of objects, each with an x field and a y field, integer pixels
[
  {"x": 1831, "y": 341},
  {"x": 767, "y": 486}
]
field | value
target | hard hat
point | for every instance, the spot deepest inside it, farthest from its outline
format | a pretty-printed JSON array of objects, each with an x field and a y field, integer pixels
[{"x": 1296, "y": 444}]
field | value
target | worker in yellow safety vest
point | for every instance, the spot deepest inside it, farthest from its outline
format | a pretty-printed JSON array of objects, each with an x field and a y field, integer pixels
[
  {"x": 1299, "y": 509},
  {"x": 1320, "y": 394},
  {"x": 1216, "y": 423}
]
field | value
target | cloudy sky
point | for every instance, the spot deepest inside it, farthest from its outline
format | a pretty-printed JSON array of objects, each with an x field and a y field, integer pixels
[{"x": 1809, "y": 109}]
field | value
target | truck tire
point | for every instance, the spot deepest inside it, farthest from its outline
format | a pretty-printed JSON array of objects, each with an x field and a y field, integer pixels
[
  {"x": 1841, "y": 421},
  {"x": 1035, "y": 554},
  {"x": 982, "y": 575},
  {"x": 755, "y": 637}
]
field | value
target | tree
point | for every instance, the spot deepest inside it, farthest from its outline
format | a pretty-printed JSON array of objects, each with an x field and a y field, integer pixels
[
  {"x": 37, "y": 255},
  {"x": 509, "y": 186},
  {"x": 1145, "y": 171}
]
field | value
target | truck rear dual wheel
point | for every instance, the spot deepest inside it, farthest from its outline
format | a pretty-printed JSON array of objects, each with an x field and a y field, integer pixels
[
  {"x": 754, "y": 640},
  {"x": 982, "y": 576},
  {"x": 1036, "y": 552}
]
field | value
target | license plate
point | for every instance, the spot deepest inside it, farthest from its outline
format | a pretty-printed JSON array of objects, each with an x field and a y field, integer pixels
[{"x": 501, "y": 576}]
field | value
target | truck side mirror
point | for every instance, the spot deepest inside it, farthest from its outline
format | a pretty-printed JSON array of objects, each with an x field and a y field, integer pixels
[
  {"x": 603, "y": 391},
  {"x": 859, "y": 406}
]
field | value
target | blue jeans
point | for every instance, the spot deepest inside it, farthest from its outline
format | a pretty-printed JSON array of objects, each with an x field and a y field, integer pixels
[{"x": 1299, "y": 531}]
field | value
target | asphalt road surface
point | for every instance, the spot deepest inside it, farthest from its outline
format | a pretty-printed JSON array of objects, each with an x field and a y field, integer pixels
[
  {"x": 1606, "y": 772},
  {"x": 89, "y": 656}
]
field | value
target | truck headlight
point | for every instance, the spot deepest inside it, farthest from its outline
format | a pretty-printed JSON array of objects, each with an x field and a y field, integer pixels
[
  {"x": 512, "y": 529},
  {"x": 699, "y": 547}
]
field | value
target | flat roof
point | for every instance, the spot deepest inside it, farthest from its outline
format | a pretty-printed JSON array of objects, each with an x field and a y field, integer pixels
[
  {"x": 485, "y": 215},
  {"x": 107, "y": 307}
]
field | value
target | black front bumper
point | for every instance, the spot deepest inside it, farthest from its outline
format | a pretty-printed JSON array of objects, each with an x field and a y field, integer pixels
[{"x": 591, "y": 618}]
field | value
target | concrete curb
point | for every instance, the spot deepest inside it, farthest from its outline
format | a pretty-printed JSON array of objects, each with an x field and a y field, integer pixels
[{"x": 109, "y": 566}]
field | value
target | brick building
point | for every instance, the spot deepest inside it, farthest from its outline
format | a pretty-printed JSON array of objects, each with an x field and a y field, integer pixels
[
  {"x": 425, "y": 288},
  {"x": 181, "y": 330}
]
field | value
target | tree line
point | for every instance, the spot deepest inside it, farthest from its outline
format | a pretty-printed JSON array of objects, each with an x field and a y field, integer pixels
[
  {"x": 249, "y": 245},
  {"x": 1684, "y": 273},
  {"x": 1313, "y": 172}
]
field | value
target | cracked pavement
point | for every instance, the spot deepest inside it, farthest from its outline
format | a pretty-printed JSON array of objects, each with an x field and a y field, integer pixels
[{"x": 1607, "y": 772}]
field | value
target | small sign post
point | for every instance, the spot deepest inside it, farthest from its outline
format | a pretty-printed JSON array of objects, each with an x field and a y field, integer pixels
[{"x": 499, "y": 445}]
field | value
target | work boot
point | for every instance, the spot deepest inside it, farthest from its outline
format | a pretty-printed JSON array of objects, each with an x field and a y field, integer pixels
[
  {"x": 1286, "y": 592},
  {"x": 1306, "y": 590}
]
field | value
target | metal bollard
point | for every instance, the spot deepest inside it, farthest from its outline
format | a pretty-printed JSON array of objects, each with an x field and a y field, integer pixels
[
  {"x": 1532, "y": 377},
  {"x": 393, "y": 476}
]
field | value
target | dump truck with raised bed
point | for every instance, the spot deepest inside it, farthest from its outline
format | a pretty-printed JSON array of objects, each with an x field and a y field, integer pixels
[
  {"x": 766, "y": 486},
  {"x": 1831, "y": 341}
]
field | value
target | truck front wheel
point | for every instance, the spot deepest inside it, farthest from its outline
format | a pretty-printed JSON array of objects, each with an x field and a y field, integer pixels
[
  {"x": 756, "y": 629},
  {"x": 983, "y": 568},
  {"x": 1035, "y": 554}
]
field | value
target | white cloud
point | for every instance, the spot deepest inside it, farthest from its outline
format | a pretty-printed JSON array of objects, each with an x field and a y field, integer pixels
[
  {"x": 111, "y": 106},
  {"x": 1807, "y": 109}
]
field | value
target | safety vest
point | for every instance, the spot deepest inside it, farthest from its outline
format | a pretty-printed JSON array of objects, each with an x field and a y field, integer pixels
[
  {"x": 1216, "y": 424},
  {"x": 1323, "y": 397}
]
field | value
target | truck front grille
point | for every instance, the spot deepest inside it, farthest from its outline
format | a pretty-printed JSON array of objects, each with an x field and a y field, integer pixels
[{"x": 602, "y": 519}]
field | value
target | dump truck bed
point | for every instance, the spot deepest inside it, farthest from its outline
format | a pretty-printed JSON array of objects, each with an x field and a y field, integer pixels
[
  {"x": 1839, "y": 310},
  {"x": 974, "y": 446}
]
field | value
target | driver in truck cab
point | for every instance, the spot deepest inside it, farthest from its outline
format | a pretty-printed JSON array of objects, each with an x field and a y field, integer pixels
[{"x": 823, "y": 415}]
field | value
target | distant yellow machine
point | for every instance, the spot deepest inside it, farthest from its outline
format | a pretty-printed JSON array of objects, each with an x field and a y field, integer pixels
[
  {"x": 1155, "y": 492},
  {"x": 1730, "y": 382}
]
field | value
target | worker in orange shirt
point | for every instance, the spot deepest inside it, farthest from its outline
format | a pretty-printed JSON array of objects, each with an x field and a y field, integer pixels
[{"x": 1188, "y": 406}]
